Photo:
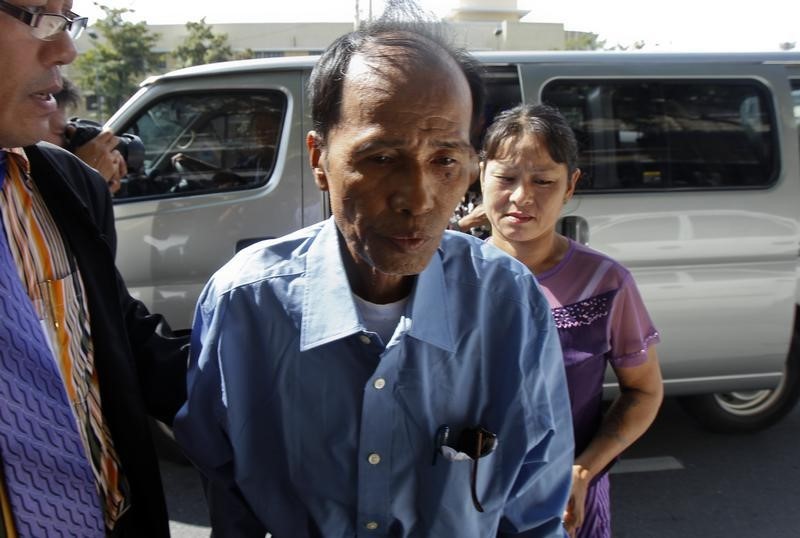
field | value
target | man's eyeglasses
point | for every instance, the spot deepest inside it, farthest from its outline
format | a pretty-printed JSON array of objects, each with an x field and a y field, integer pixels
[{"x": 47, "y": 26}]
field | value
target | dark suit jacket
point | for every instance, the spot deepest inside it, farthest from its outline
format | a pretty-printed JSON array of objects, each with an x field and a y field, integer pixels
[{"x": 140, "y": 363}]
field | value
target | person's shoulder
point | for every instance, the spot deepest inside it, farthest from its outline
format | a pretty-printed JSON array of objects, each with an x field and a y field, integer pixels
[
  {"x": 482, "y": 256},
  {"x": 458, "y": 245},
  {"x": 475, "y": 268},
  {"x": 57, "y": 156},
  {"x": 72, "y": 169},
  {"x": 264, "y": 260},
  {"x": 591, "y": 260}
]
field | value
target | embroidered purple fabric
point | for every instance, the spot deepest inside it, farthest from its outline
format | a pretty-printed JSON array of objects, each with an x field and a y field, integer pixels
[{"x": 601, "y": 319}]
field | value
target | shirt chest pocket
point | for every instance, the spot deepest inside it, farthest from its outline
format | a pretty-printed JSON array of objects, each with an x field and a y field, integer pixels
[
  {"x": 445, "y": 493},
  {"x": 442, "y": 487}
]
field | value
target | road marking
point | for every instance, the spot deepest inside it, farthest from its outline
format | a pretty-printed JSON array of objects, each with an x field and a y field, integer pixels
[{"x": 646, "y": 465}]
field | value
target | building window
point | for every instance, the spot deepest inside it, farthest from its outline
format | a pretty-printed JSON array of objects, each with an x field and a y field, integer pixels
[{"x": 269, "y": 54}]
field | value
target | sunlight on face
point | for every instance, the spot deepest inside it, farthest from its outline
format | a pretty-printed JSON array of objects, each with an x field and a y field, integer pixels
[
  {"x": 397, "y": 163},
  {"x": 524, "y": 190}
]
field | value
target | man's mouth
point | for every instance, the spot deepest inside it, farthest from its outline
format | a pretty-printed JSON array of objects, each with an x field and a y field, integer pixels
[{"x": 408, "y": 242}]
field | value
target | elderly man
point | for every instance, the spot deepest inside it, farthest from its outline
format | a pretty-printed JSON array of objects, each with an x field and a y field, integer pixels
[
  {"x": 81, "y": 362},
  {"x": 370, "y": 376}
]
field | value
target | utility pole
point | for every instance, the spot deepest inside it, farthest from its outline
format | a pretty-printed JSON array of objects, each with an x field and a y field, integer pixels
[{"x": 358, "y": 17}]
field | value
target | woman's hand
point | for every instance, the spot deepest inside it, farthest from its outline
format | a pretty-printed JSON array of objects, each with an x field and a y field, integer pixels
[
  {"x": 641, "y": 392},
  {"x": 576, "y": 507},
  {"x": 476, "y": 218}
]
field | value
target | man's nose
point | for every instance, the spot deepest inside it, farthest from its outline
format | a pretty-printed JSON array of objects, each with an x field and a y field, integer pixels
[
  {"x": 414, "y": 190},
  {"x": 58, "y": 51}
]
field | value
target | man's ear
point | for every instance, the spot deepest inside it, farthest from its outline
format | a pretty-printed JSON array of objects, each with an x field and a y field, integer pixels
[
  {"x": 315, "y": 149},
  {"x": 481, "y": 170}
]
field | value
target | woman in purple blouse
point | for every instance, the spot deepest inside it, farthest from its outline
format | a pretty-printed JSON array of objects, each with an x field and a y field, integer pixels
[{"x": 528, "y": 172}]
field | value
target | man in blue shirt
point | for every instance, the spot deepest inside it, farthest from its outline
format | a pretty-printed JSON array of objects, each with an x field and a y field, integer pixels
[{"x": 349, "y": 379}]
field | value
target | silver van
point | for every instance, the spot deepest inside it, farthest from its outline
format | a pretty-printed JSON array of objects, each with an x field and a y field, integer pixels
[{"x": 691, "y": 178}]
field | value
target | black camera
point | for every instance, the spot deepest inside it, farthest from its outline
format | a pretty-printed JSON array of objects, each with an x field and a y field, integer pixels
[{"x": 130, "y": 146}]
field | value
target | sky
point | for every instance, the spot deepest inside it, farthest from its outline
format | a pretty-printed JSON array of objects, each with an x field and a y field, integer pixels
[{"x": 675, "y": 25}]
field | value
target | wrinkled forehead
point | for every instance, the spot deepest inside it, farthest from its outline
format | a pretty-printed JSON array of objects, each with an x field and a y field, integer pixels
[
  {"x": 419, "y": 98},
  {"x": 386, "y": 76},
  {"x": 393, "y": 64}
]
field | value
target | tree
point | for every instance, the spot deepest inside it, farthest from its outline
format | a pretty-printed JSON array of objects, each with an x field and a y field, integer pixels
[
  {"x": 636, "y": 45},
  {"x": 584, "y": 41},
  {"x": 202, "y": 45},
  {"x": 122, "y": 56}
]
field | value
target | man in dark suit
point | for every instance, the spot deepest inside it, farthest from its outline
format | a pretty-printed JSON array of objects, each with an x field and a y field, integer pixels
[{"x": 82, "y": 364}]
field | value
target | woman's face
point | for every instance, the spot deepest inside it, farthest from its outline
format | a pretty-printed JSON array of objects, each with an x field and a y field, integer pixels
[{"x": 524, "y": 190}]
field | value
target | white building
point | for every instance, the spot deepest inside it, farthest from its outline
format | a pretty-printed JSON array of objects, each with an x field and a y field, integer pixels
[{"x": 475, "y": 24}]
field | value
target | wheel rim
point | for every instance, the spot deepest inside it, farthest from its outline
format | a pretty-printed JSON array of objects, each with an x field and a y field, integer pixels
[{"x": 749, "y": 402}]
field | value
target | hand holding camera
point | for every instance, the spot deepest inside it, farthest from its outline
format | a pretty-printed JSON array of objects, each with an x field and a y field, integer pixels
[
  {"x": 101, "y": 154},
  {"x": 112, "y": 156}
]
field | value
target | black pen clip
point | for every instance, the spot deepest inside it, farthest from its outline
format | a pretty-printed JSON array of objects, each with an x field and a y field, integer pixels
[
  {"x": 440, "y": 440},
  {"x": 476, "y": 442}
]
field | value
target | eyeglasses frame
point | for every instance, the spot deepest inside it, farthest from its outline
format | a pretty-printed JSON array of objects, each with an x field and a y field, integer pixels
[{"x": 33, "y": 19}]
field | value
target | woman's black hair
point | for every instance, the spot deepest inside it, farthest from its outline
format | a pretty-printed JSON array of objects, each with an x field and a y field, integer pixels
[
  {"x": 401, "y": 33},
  {"x": 542, "y": 120}
]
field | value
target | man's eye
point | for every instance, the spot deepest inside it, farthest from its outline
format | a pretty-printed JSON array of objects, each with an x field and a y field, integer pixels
[
  {"x": 543, "y": 182},
  {"x": 380, "y": 159},
  {"x": 445, "y": 161}
]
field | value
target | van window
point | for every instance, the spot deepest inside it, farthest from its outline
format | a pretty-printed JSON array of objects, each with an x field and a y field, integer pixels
[
  {"x": 502, "y": 92},
  {"x": 669, "y": 134},
  {"x": 200, "y": 143}
]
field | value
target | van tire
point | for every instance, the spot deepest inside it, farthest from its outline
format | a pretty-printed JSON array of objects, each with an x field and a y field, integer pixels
[{"x": 754, "y": 410}]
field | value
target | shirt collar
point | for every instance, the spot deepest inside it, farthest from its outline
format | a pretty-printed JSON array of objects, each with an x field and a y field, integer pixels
[
  {"x": 329, "y": 312},
  {"x": 328, "y": 309},
  {"x": 431, "y": 319},
  {"x": 18, "y": 154}
]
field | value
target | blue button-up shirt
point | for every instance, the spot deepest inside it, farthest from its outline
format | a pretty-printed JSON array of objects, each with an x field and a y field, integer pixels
[{"x": 306, "y": 424}]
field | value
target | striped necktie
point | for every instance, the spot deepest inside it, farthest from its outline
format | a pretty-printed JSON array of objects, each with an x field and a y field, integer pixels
[{"x": 48, "y": 477}]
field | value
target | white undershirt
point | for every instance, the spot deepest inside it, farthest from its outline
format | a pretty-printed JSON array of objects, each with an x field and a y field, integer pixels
[{"x": 381, "y": 318}]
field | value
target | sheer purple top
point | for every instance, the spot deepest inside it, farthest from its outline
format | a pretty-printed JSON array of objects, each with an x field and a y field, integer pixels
[{"x": 601, "y": 319}]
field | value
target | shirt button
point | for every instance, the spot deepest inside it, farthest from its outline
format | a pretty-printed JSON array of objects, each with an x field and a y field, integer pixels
[
  {"x": 374, "y": 458},
  {"x": 371, "y": 525},
  {"x": 364, "y": 339},
  {"x": 379, "y": 383}
]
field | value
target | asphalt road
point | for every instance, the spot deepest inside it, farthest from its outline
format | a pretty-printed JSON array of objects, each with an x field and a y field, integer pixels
[
  {"x": 727, "y": 486},
  {"x": 679, "y": 481}
]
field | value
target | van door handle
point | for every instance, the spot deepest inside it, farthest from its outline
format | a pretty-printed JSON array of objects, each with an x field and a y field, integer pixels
[
  {"x": 244, "y": 243},
  {"x": 575, "y": 228}
]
